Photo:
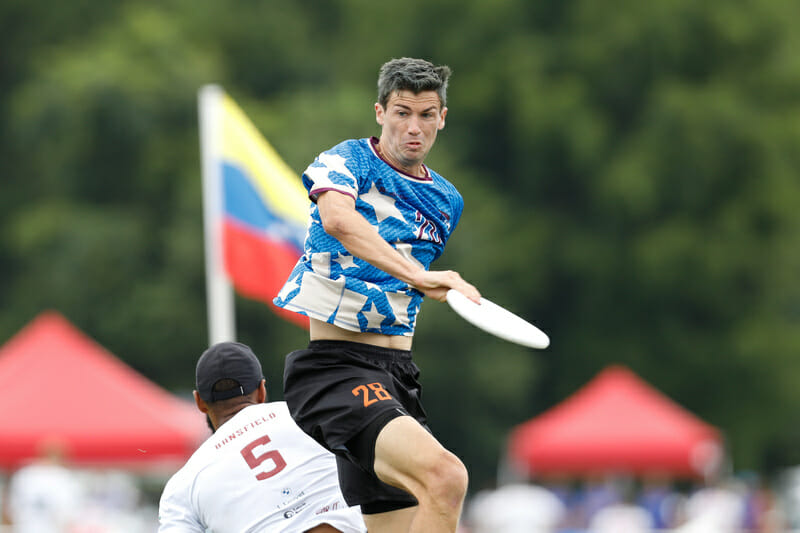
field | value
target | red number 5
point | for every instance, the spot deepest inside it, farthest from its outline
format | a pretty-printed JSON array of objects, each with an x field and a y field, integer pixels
[{"x": 254, "y": 461}]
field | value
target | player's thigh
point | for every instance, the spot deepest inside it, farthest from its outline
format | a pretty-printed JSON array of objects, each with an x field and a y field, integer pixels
[
  {"x": 408, "y": 456},
  {"x": 398, "y": 521}
]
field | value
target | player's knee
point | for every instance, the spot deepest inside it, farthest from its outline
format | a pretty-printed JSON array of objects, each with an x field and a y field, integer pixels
[{"x": 446, "y": 480}]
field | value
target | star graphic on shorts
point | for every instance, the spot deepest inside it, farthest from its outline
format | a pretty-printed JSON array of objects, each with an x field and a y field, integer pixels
[
  {"x": 383, "y": 205},
  {"x": 374, "y": 318}
]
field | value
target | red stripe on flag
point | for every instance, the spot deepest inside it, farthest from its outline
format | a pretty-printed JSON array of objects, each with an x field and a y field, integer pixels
[{"x": 258, "y": 267}]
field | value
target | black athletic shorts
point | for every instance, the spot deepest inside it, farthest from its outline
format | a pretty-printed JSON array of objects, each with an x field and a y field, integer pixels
[{"x": 342, "y": 394}]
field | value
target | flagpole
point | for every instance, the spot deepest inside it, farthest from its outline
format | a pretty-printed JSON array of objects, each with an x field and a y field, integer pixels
[{"x": 219, "y": 293}]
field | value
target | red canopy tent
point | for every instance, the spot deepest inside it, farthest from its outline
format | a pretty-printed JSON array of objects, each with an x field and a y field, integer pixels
[
  {"x": 57, "y": 386},
  {"x": 617, "y": 423}
]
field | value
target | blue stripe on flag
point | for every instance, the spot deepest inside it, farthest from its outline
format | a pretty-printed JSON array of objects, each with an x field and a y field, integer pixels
[{"x": 244, "y": 204}]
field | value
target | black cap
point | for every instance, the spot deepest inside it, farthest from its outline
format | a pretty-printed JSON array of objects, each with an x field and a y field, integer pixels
[{"x": 227, "y": 360}]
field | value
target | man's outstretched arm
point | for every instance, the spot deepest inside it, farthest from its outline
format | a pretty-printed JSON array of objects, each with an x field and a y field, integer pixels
[{"x": 341, "y": 221}]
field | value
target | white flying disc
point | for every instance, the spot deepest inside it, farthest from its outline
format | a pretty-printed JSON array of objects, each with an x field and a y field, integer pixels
[{"x": 497, "y": 320}]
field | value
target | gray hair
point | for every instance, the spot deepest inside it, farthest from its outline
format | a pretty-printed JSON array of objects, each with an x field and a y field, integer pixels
[{"x": 411, "y": 74}]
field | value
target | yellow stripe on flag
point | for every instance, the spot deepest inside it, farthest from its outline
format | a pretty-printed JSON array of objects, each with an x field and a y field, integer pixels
[{"x": 244, "y": 146}]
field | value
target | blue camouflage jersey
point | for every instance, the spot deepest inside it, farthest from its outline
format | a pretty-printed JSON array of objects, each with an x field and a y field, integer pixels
[{"x": 416, "y": 215}]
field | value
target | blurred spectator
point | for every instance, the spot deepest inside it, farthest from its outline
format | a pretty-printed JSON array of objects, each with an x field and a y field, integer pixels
[
  {"x": 598, "y": 491},
  {"x": 622, "y": 516},
  {"x": 716, "y": 508},
  {"x": 659, "y": 498},
  {"x": 113, "y": 504},
  {"x": 570, "y": 494},
  {"x": 45, "y": 496},
  {"x": 762, "y": 509},
  {"x": 516, "y": 508},
  {"x": 115, "y": 490},
  {"x": 789, "y": 492}
]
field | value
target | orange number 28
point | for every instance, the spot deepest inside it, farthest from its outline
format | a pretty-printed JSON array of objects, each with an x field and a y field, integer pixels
[{"x": 378, "y": 393}]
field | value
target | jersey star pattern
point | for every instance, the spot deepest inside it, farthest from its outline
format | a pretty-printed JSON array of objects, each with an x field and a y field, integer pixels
[{"x": 416, "y": 215}]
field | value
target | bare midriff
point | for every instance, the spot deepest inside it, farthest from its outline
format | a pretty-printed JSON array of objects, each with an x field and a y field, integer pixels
[{"x": 322, "y": 331}]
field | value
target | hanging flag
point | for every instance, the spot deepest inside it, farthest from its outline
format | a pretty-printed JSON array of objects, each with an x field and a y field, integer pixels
[{"x": 264, "y": 207}]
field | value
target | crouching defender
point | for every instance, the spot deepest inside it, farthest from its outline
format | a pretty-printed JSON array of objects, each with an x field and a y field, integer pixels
[{"x": 258, "y": 471}]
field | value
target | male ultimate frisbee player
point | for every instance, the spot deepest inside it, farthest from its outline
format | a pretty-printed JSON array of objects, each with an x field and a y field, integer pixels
[{"x": 379, "y": 218}]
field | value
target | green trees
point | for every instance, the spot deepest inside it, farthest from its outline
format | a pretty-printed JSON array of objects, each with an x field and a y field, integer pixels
[{"x": 629, "y": 171}]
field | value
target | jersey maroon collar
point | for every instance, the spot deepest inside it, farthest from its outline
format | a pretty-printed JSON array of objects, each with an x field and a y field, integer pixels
[{"x": 373, "y": 144}]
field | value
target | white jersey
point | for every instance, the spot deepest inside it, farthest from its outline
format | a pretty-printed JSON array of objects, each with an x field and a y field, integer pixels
[{"x": 257, "y": 473}]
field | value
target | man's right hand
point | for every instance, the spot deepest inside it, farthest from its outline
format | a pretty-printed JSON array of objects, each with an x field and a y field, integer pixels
[{"x": 435, "y": 284}]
